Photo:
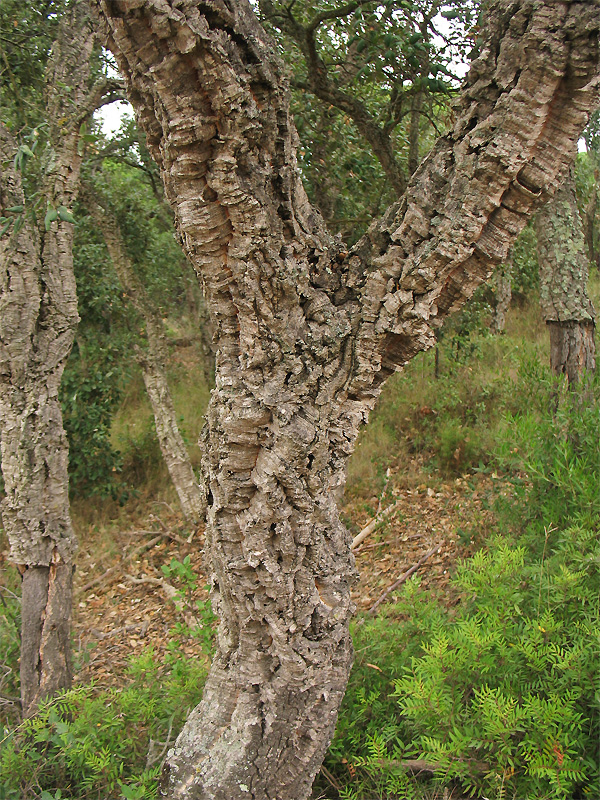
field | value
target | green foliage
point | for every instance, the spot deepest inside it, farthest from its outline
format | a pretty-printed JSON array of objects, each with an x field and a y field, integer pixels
[
  {"x": 500, "y": 693},
  {"x": 386, "y": 62},
  {"x": 90, "y": 744},
  {"x": 503, "y": 699},
  {"x": 28, "y": 31},
  {"x": 201, "y": 620},
  {"x": 101, "y": 362},
  {"x": 92, "y": 383},
  {"x": 146, "y": 223},
  {"x": 525, "y": 272},
  {"x": 461, "y": 335},
  {"x": 370, "y": 739},
  {"x": 10, "y": 625},
  {"x": 89, "y": 394}
]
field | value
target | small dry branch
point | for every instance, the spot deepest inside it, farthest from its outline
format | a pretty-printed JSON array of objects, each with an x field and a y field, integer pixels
[
  {"x": 134, "y": 554},
  {"x": 404, "y": 577},
  {"x": 372, "y": 526}
]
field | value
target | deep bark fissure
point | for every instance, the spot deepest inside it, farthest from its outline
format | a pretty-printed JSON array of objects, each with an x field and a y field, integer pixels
[{"x": 305, "y": 334}]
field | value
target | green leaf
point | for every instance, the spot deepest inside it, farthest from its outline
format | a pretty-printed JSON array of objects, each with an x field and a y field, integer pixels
[
  {"x": 65, "y": 214},
  {"x": 51, "y": 215},
  {"x": 15, "y": 209},
  {"x": 5, "y": 227}
]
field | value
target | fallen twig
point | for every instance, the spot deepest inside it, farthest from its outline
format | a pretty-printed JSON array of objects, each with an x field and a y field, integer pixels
[
  {"x": 330, "y": 778},
  {"x": 151, "y": 758},
  {"x": 166, "y": 530},
  {"x": 404, "y": 577},
  {"x": 142, "y": 627},
  {"x": 169, "y": 590},
  {"x": 5, "y": 698},
  {"x": 416, "y": 765},
  {"x": 368, "y": 529},
  {"x": 134, "y": 554}
]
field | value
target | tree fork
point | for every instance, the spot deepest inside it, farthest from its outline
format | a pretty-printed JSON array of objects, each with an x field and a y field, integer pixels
[{"x": 306, "y": 333}]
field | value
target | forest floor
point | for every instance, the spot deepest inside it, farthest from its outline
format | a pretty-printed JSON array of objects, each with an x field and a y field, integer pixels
[{"x": 124, "y": 603}]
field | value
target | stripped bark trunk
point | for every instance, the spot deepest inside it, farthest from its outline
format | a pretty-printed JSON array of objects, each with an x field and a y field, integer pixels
[
  {"x": 153, "y": 362},
  {"x": 564, "y": 266},
  {"x": 502, "y": 296},
  {"x": 38, "y": 317},
  {"x": 306, "y": 333}
]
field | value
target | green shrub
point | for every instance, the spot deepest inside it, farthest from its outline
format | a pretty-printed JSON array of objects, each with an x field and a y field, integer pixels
[
  {"x": 504, "y": 698},
  {"x": 500, "y": 693},
  {"x": 10, "y": 625},
  {"x": 104, "y": 745},
  {"x": 89, "y": 395}
]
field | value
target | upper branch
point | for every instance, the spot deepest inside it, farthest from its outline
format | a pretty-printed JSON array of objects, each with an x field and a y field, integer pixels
[
  {"x": 210, "y": 92},
  {"x": 518, "y": 118}
]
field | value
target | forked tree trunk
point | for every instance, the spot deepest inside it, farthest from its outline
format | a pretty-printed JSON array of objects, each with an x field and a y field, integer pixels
[
  {"x": 564, "y": 267},
  {"x": 306, "y": 334},
  {"x": 153, "y": 363},
  {"x": 38, "y": 317}
]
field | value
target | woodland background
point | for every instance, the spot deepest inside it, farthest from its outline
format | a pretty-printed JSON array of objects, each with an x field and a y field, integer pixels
[{"x": 477, "y": 676}]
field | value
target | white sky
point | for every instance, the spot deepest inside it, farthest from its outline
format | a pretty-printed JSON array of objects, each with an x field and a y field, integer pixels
[{"x": 111, "y": 116}]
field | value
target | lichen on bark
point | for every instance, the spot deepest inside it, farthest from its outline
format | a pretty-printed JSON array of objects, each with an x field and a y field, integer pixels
[{"x": 564, "y": 271}]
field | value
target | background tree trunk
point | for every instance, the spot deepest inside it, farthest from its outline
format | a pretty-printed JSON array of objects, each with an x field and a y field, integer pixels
[
  {"x": 564, "y": 268},
  {"x": 306, "y": 334},
  {"x": 153, "y": 363},
  {"x": 38, "y": 317}
]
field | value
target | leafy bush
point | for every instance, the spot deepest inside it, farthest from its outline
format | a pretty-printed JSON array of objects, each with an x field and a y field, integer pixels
[
  {"x": 201, "y": 620},
  {"x": 104, "y": 745},
  {"x": 500, "y": 693},
  {"x": 503, "y": 699},
  {"x": 10, "y": 624},
  {"x": 89, "y": 394}
]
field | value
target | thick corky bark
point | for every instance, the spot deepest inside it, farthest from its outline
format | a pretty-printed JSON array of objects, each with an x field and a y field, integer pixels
[
  {"x": 306, "y": 333},
  {"x": 38, "y": 316},
  {"x": 564, "y": 267},
  {"x": 153, "y": 363}
]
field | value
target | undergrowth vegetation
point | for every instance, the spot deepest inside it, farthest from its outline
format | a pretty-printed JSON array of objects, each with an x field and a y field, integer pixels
[
  {"x": 497, "y": 695},
  {"x": 89, "y": 743},
  {"x": 494, "y": 695}
]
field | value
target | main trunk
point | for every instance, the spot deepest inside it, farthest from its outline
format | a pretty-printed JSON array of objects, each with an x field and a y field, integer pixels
[
  {"x": 564, "y": 268},
  {"x": 38, "y": 316},
  {"x": 307, "y": 333}
]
